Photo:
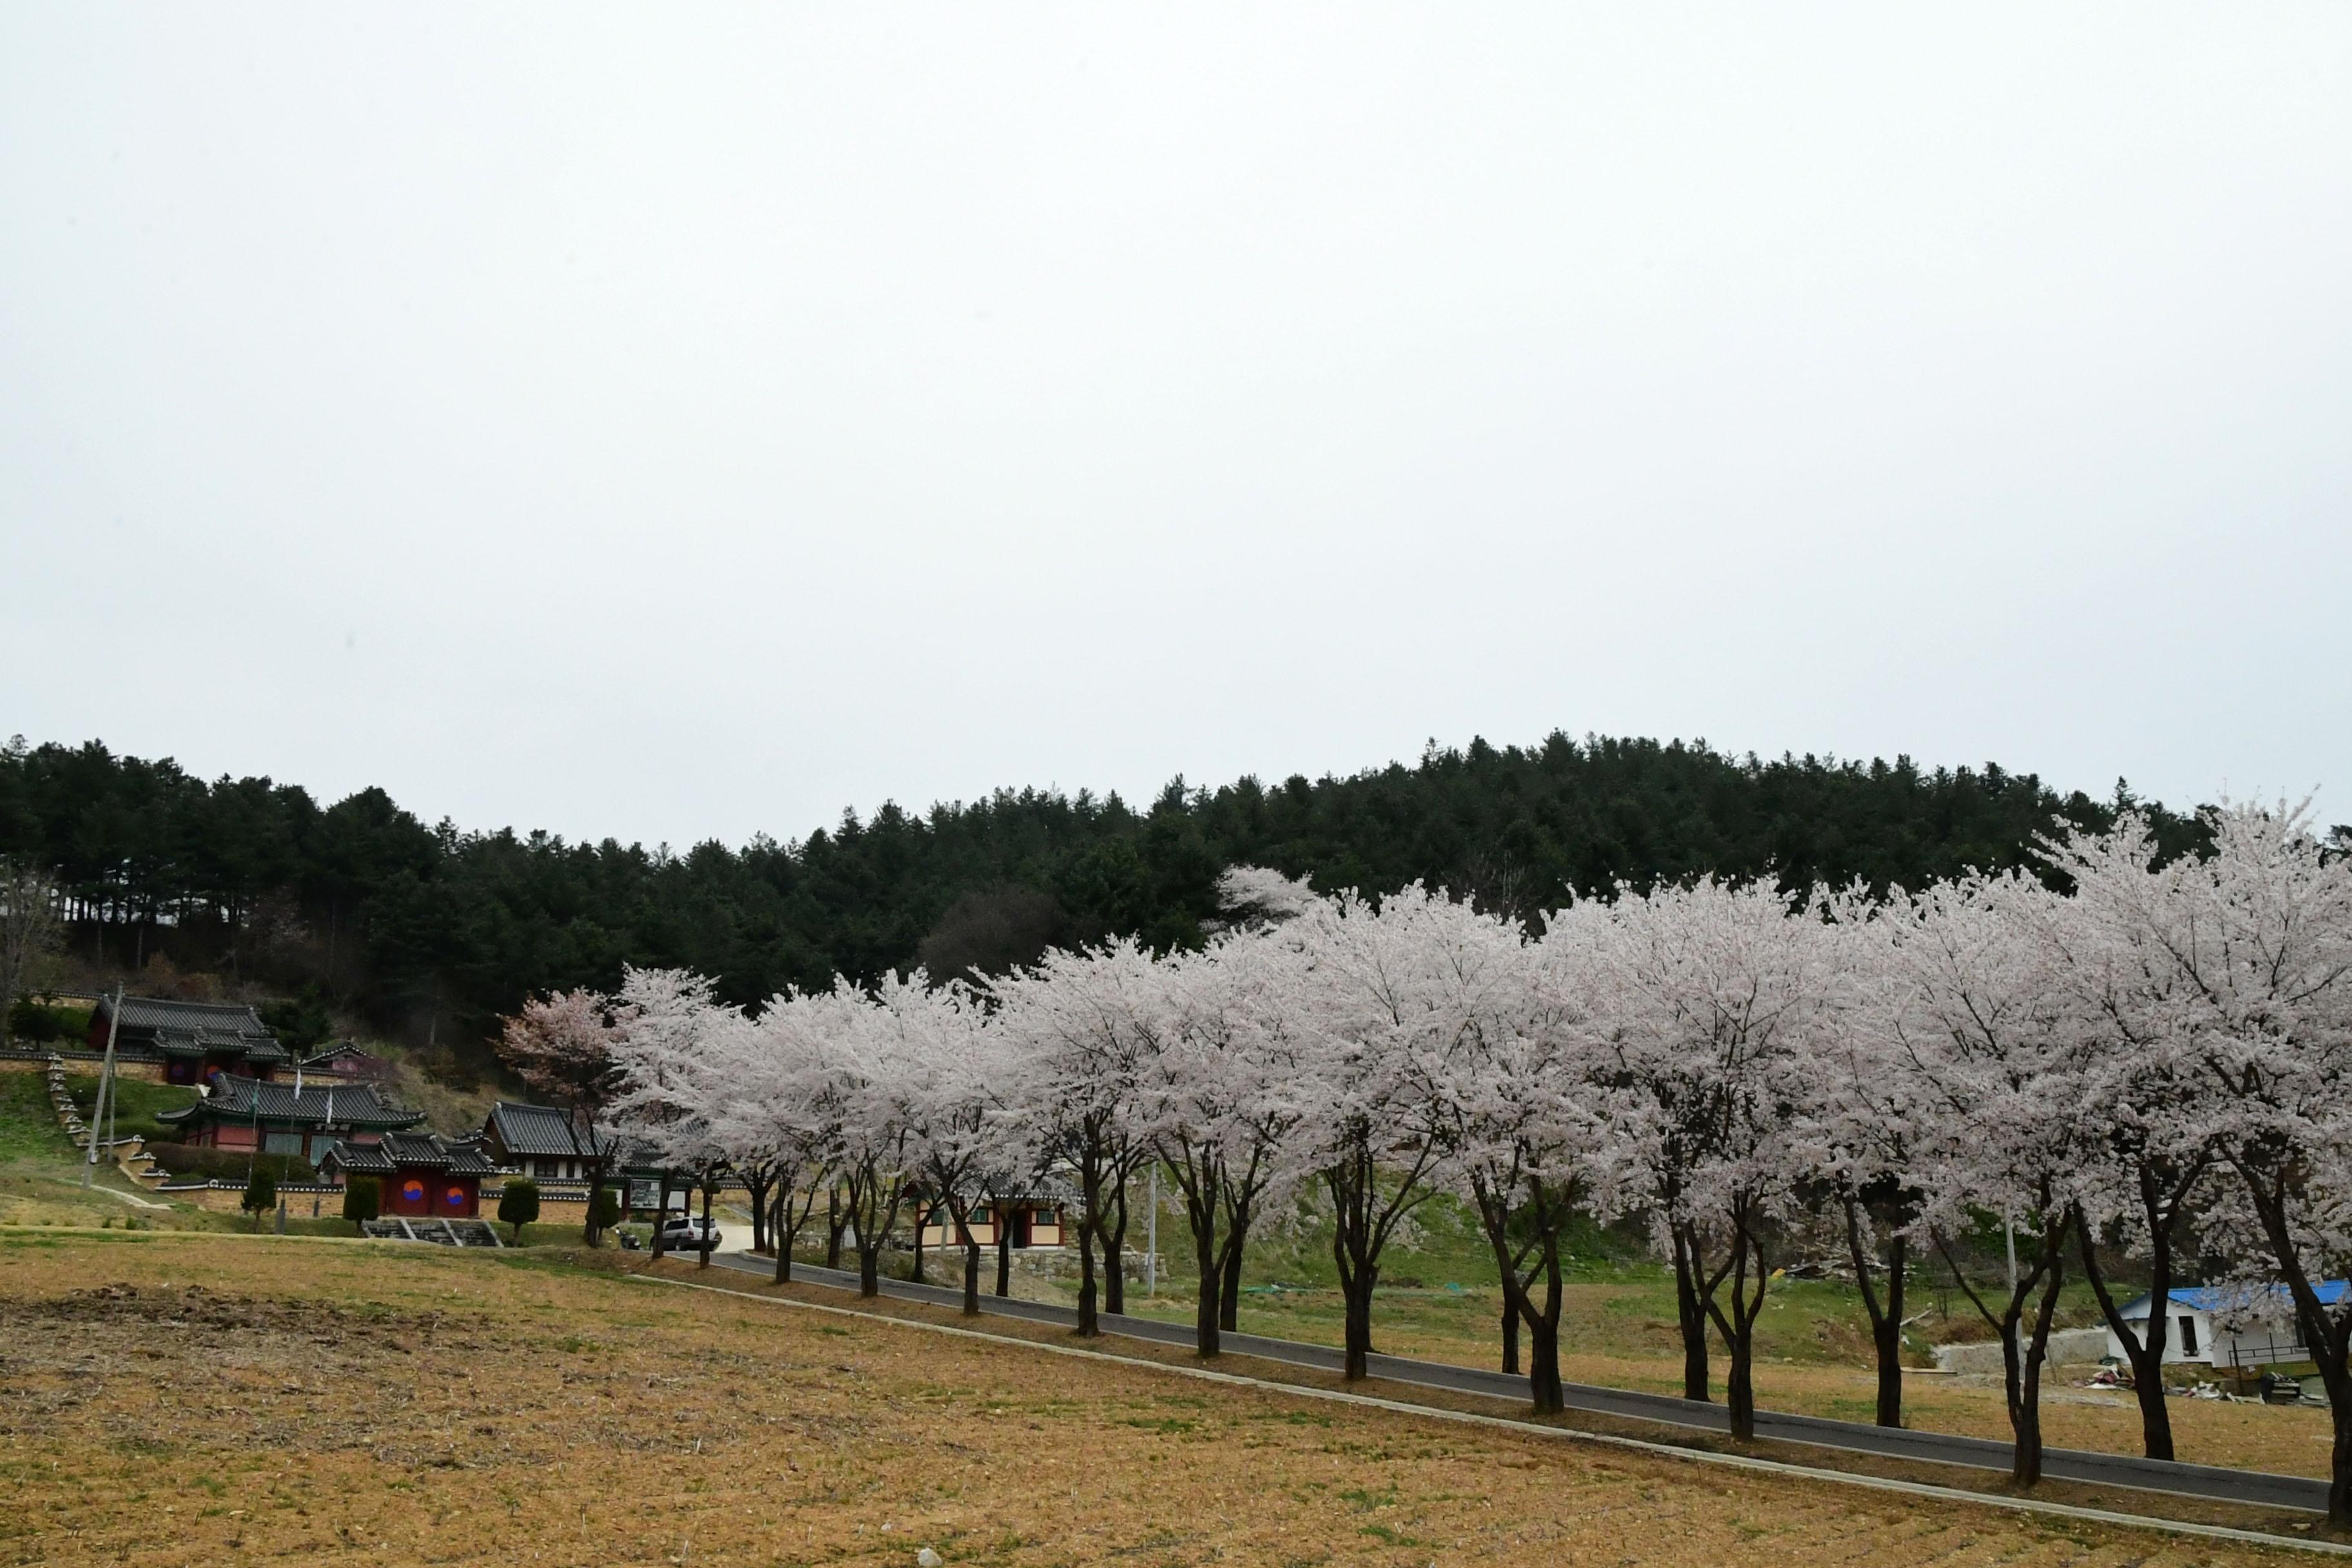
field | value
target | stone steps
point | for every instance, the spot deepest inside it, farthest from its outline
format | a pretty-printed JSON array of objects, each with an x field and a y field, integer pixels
[
  {"x": 435, "y": 1232},
  {"x": 127, "y": 1153}
]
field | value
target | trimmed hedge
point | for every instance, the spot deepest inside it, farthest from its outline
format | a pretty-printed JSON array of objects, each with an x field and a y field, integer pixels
[
  {"x": 230, "y": 1164},
  {"x": 260, "y": 1194},
  {"x": 518, "y": 1205}
]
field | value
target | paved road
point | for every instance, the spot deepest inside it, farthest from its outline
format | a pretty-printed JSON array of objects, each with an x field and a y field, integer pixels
[{"x": 2255, "y": 1487}]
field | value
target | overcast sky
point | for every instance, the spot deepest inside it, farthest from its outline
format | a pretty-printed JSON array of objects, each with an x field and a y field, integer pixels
[{"x": 677, "y": 423}]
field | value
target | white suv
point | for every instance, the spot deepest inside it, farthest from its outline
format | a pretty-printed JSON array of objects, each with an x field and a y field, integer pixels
[{"x": 683, "y": 1233}]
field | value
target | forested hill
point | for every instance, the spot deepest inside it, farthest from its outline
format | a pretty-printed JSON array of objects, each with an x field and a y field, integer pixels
[{"x": 432, "y": 930}]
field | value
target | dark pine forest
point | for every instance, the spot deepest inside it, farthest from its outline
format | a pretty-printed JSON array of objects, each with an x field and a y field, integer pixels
[{"x": 430, "y": 931}]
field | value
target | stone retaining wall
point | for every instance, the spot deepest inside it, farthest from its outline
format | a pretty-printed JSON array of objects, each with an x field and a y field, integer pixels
[
  {"x": 2068, "y": 1347},
  {"x": 150, "y": 1070}
]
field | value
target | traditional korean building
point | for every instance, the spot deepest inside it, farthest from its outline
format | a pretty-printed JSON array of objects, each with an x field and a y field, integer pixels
[
  {"x": 346, "y": 1062},
  {"x": 196, "y": 1040},
  {"x": 288, "y": 1119},
  {"x": 1033, "y": 1219},
  {"x": 546, "y": 1143},
  {"x": 423, "y": 1175}
]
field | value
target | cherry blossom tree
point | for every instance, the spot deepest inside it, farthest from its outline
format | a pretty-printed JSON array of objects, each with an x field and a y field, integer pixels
[
  {"x": 1394, "y": 988},
  {"x": 1713, "y": 993},
  {"x": 785, "y": 1110},
  {"x": 1258, "y": 899},
  {"x": 2145, "y": 1154},
  {"x": 673, "y": 1063},
  {"x": 2260, "y": 935},
  {"x": 1081, "y": 1022},
  {"x": 1216, "y": 1097},
  {"x": 1859, "y": 1131},
  {"x": 1527, "y": 1126},
  {"x": 562, "y": 1045},
  {"x": 878, "y": 1039},
  {"x": 951, "y": 1098},
  {"x": 1989, "y": 1027}
]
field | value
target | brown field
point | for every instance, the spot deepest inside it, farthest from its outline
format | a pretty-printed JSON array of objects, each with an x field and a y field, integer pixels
[{"x": 182, "y": 1398}]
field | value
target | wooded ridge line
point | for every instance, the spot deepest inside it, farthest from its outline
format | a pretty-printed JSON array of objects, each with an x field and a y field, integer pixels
[{"x": 432, "y": 932}]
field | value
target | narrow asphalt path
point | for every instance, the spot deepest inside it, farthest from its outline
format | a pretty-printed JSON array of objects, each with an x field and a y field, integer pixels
[{"x": 2258, "y": 1488}]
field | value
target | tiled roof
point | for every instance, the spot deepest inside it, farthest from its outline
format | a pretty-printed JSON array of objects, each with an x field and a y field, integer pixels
[
  {"x": 409, "y": 1151},
  {"x": 521, "y": 1130},
  {"x": 428, "y": 1149},
  {"x": 314, "y": 1105},
  {"x": 358, "y": 1061},
  {"x": 163, "y": 1013},
  {"x": 356, "y": 1159},
  {"x": 193, "y": 1029}
]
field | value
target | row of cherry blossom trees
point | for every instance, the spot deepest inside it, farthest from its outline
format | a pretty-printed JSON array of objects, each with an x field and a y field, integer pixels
[{"x": 2155, "y": 1061}]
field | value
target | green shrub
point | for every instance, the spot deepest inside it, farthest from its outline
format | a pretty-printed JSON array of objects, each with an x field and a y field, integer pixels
[
  {"x": 606, "y": 1213},
  {"x": 31, "y": 1023},
  {"x": 301, "y": 1023},
  {"x": 518, "y": 1205},
  {"x": 260, "y": 1195},
  {"x": 230, "y": 1164},
  {"x": 362, "y": 1200}
]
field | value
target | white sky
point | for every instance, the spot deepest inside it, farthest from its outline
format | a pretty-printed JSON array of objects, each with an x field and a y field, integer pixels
[{"x": 677, "y": 422}]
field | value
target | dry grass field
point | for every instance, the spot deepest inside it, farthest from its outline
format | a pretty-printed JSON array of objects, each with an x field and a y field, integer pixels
[{"x": 178, "y": 1398}]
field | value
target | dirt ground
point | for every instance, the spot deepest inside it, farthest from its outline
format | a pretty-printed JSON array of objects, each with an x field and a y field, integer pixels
[{"x": 174, "y": 1398}]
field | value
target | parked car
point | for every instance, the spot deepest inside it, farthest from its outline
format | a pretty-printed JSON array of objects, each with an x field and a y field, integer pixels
[{"x": 683, "y": 1233}]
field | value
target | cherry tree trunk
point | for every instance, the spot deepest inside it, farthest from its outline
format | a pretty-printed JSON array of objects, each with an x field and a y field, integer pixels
[
  {"x": 2332, "y": 1355},
  {"x": 1114, "y": 1240},
  {"x": 1206, "y": 1311},
  {"x": 1089, "y": 1323},
  {"x": 1886, "y": 1338},
  {"x": 1510, "y": 1334},
  {"x": 1359, "y": 1291},
  {"x": 1543, "y": 1375},
  {"x": 1692, "y": 1312},
  {"x": 1003, "y": 1255},
  {"x": 2339, "y": 1475},
  {"x": 2024, "y": 1414},
  {"x": 590, "y": 1232},
  {"x": 1739, "y": 1387},
  {"x": 970, "y": 1274}
]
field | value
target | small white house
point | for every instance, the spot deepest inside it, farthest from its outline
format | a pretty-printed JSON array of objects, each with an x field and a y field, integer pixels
[{"x": 2265, "y": 1332}]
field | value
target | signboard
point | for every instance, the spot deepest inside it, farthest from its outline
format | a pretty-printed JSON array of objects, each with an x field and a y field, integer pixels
[{"x": 643, "y": 1194}]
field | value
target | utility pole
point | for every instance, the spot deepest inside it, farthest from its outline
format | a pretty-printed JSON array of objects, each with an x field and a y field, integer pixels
[
  {"x": 105, "y": 1081},
  {"x": 2008, "y": 1233},
  {"x": 1152, "y": 1237}
]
